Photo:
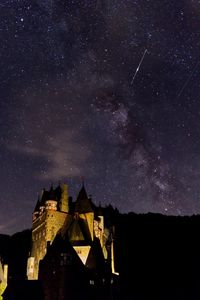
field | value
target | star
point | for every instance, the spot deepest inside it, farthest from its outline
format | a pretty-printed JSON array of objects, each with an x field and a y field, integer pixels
[{"x": 68, "y": 107}]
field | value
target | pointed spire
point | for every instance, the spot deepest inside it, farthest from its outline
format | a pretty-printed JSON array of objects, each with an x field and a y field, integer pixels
[
  {"x": 83, "y": 203},
  {"x": 52, "y": 194},
  {"x": 82, "y": 194},
  {"x": 100, "y": 210},
  {"x": 43, "y": 197},
  {"x": 58, "y": 192},
  {"x": 37, "y": 207}
]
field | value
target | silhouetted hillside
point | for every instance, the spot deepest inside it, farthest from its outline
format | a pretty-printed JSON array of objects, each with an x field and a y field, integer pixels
[
  {"x": 14, "y": 250},
  {"x": 159, "y": 256},
  {"x": 4, "y": 247}
]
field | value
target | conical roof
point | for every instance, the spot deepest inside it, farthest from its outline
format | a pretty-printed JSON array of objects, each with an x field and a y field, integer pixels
[
  {"x": 82, "y": 194},
  {"x": 58, "y": 192},
  {"x": 83, "y": 203},
  {"x": 52, "y": 194},
  {"x": 37, "y": 207},
  {"x": 44, "y": 197}
]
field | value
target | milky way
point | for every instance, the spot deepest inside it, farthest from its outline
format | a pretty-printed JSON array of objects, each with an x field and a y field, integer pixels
[{"x": 68, "y": 108}]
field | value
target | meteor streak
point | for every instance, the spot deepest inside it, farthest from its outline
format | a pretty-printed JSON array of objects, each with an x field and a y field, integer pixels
[
  {"x": 138, "y": 68},
  {"x": 188, "y": 79}
]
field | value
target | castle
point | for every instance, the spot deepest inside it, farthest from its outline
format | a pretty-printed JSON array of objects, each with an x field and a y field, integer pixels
[
  {"x": 49, "y": 215},
  {"x": 70, "y": 240}
]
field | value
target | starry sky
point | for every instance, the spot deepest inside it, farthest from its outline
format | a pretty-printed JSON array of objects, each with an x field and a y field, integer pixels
[{"x": 107, "y": 90}]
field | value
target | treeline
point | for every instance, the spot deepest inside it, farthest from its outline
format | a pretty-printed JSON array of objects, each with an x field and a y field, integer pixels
[
  {"x": 157, "y": 256},
  {"x": 14, "y": 251}
]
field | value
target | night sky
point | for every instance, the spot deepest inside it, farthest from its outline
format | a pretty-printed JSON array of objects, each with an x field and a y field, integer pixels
[{"x": 73, "y": 105}]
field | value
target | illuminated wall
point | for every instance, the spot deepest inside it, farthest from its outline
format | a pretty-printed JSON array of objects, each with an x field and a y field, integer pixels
[
  {"x": 3, "y": 278},
  {"x": 83, "y": 252},
  {"x": 49, "y": 217},
  {"x": 44, "y": 229}
]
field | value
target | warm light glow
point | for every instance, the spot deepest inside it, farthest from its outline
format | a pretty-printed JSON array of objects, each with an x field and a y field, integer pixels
[
  {"x": 30, "y": 268},
  {"x": 3, "y": 278},
  {"x": 83, "y": 252}
]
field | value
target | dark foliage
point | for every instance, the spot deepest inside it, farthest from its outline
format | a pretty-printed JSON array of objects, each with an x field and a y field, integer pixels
[
  {"x": 158, "y": 256},
  {"x": 4, "y": 247},
  {"x": 14, "y": 251}
]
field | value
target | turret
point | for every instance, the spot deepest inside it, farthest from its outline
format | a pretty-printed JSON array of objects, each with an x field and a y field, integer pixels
[
  {"x": 43, "y": 200},
  {"x": 36, "y": 210},
  {"x": 64, "y": 201},
  {"x": 51, "y": 202},
  {"x": 83, "y": 207},
  {"x": 83, "y": 203},
  {"x": 48, "y": 218}
]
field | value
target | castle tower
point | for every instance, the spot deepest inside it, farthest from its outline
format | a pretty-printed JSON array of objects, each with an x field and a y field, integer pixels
[
  {"x": 48, "y": 217},
  {"x": 83, "y": 207},
  {"x": 64, "y": 201}
]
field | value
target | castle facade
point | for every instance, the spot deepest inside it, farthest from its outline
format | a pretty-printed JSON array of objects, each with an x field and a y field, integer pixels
[{"x": 73, "y": 234}]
